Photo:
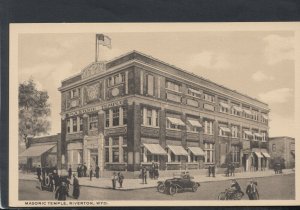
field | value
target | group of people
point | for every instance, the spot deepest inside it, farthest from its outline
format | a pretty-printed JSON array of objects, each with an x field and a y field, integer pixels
[
  {"x": 153, "y": 172},
  {"x": 62, "y": 192},
  {"x": 251, "y": 189},
  {"x": 117, "y": 177},
  {"x": 82, "y": 171},
  {"x": 212, "y": 170},
  {"x": 230, "y": 169},
  {"x": 277, "y": 168}
]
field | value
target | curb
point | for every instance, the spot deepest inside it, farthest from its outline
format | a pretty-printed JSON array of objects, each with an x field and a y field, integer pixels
[{"x": 148, "y": 187}]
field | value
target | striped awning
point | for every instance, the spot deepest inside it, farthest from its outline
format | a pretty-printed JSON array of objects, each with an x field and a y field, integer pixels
[
  {"x": 247, "y": 111},
  {"x": 258, "y": 135},
  {"x": 258, "y": 154},
  {"x": 178, "y": 150},
  {"x": 265, "y": 153},
  {"x": 224, "y": 105},
  {"x": 175, "y": 121},
  {"x": 197, "y": 151},
  {"x": 237, "y": 108},
  {"x": 36, "y": 151},
  {"x": 195, "y": 123},
  {"x": 155, "y": 149},
  {"x": 248, "y": 133},
  {"x": 225, "y": 129}
]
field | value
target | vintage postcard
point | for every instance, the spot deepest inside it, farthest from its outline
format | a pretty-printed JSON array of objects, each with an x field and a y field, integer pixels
[{"x": 154, "y": 114}]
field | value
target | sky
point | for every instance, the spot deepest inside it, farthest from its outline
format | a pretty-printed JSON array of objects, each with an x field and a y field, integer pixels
[{"x": 257, "y": 63}]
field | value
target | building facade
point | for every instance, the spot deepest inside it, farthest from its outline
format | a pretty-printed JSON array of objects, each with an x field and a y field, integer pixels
[
  {"x": 283, "y": 147},
  {"x": 42, "y": 151},
  {"x": 135, "y": 110}
]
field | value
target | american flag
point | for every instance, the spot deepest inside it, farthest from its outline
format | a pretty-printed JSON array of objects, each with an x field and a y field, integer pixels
[{"x": 103, "y": 40}]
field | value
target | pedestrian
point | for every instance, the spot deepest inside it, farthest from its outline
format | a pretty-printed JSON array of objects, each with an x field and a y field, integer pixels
[
  {"x": 78, "y": 171},
  {"x": 252, "y": 191},
  {"x": 209, "y": 171},
  {"x": 70, "y": 172},
  {"x": 62, "y": 192},
  {"x": 76, "y": 187},
  {"x": 91, "y": 173},
  {"x": 39, "y": 172},
  {"x": 213, "y": 170},
  {"x": 97, "y": 171},
  {"x": 144, "y": 175},
  {"x": 156, "y": 173},
  {"x": 56, "y": 179},
  {"x": 120, "y": 179},
  {"x": 228, "y": 169},
  {"x": 114, "y": 180},
  {"x": 232, "y": 169},
  {"x": 84, "y": 170}
]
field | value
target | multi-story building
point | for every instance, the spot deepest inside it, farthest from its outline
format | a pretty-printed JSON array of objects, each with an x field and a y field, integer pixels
[
  {"x": 135, "y": 109},
  {"x": 283, "y": 147}
]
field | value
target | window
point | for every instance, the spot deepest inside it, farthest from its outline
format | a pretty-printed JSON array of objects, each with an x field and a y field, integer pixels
[
  {"x": 123, "y": 77},
  {"x": 80, "y": 124},
  {"x": 274, "y": 147},
  {"x": 173, "y": 86},
  {"x": 209, "y": 153},
  {"x": 115, "y": 150},
  {"x": 107, "y": 155},
  {"x": 116, "y": 116},
  {"x": 194, "y": 158},
  {"x": 208, "y": 127},
  {"x": 172, "y": 126},
  {"x": 150, "y": 85},
  {"x": 107, "y": 118},
  {"x": 124, "y": 116},
  {"x": 93, "y": 121},
  {"x": 235, "y": 154},
  {"x": 193, "y": 92},
  {"x": 75, "y": 93},
  {"x": 115, "y": 80},
  {"x": 208, "y": 97},
  {"x": 224, "y": 130},
  {"x": 264, "y": 136},
  {"x": 224, "y": 107},
  {"x": 74, "y": 119},
  {"x": 68, "y": 126},
  {"x": 254, "y": 115},
  {"x": 247, "y": 134},
  {"x": 236, "y": 110},
  {"x": 115, "y": 155},
  {"x": 150, "y": 117},
  {"x": 234, "y": 131}
]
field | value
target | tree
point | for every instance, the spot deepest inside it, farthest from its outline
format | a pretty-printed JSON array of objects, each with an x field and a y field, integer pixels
[{"x": 34, "y": 110}]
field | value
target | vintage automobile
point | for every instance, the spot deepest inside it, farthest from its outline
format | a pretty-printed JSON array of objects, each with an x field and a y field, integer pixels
[{"x": 179, "y": 183}]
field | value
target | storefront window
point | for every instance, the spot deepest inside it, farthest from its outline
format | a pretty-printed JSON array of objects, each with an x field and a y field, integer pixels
[{"x": 209, "y": 153}]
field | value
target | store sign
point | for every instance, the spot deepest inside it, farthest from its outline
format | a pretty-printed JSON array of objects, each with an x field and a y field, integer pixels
[
  {"x": 112, "y": 104},
  {"x": 209, "y": 107},
  {"x": 83, "y": 111}
]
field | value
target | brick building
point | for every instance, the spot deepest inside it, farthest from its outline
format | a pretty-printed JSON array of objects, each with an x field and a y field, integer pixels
[
  {"x": 283, "y": 147},
  {"x": 136, "y": 109}
]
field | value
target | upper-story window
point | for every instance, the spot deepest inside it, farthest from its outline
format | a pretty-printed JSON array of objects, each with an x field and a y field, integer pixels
[
  {"x": 93, "y": 121},
  {"x": 247, "y": 113},
  {"x": 193, "y": 125},
  {"x": 150, "y": 85},
  {"x": 74, "y": 124},
  {"x": 257, "y": 136},
  {"x": 150, "y": 117},
  {"x": 208, "y": 127},
  {"x": 174, "y": 122},
  {"x": 224, "y": 107},
  {"x": 209, "y": 97},
  {"x": 173, "y": 86},
  {"x": 236, "y": 110},
  {"x": 264, "y": 118},
  {"x": 247, "y": 134},
  {"x": 80, "y": 123},
  {"x": 264, "y": 136},
  {"x": 193, "y": 92},
  {"x": 107, "y": 118},
  {"x": 115, "y": 79},
  {"x": 224, "y": 130},
  {"x": 254, "y": 115},
  {"x": 234, "y": 131},
  {"x": 116, "y": 116},
  {"x": 74, "y": 119},
  {"x": 75, "y": 93}
]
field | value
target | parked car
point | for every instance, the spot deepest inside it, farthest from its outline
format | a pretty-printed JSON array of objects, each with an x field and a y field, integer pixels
[{"x": 179, "y": 183}]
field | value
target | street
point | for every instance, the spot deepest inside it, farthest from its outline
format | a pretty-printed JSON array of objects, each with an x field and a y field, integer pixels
[{"x": 280, "y": 187}]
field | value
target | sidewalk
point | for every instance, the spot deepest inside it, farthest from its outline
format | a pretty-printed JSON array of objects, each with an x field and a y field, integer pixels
[{"x": 132, "y": 184}]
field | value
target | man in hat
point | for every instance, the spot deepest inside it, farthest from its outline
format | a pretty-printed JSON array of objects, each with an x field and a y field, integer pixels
[
  {"x": 76, "y": 187},
  {"x": 252, "y": 191},
  {"x": 62, "y": 192}
]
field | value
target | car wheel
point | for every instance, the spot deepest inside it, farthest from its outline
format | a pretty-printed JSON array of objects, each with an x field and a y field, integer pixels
[
  {"x": 222, "y": 196},
  {"x": 195, "y": 187},
  {"x": 172, "y": 190},
  {"x": 161, "y": 188}
]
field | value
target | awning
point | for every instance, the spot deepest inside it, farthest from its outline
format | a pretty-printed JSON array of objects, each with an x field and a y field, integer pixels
[
  {"x": 248, "y": 133},
  {"x": 258, "y": 135},
  {"x": 258, "y": 154},
  {"x": 264, "y": 116},
  {"x": 197, "y": 151},
  {"x": 195, "y": 123},
  {"x": 265, "y": 153},
  {"x": 178, "y": 150},
  {"x": 194, "y": 91},
  {"x": 225, "y": 129},
  {"x": 247, "y": 111},
  {"x": 36, "y": 151},
  {"x": 175, "y": 121},
  {"x": 155, "y": 149},
  {"x": 237, "y": 108},
  {"x": 224, "y": 105}
]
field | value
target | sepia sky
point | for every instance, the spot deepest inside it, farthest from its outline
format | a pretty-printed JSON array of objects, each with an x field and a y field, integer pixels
[{"x": 259, "y": 64}]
